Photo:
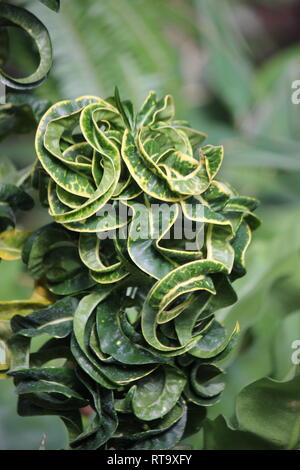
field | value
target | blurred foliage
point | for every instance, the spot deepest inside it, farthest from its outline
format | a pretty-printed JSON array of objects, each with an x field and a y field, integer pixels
[
  {"x": 16, "y": 432},
  {"x": 19, "y": 433},
  {"x": 232, "y": 76}
]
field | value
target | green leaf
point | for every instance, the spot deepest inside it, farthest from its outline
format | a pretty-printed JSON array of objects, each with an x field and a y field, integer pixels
[
  {"x": 203, "y": 380},
  {"x": 18, "y": 17},
  {"x": 121, "y": 108},
  {"x": 15, "y": 197},
  {"x": 48, "y": 380},
  {"x": 104, "y": 423},
  {"x": 136, "y": 430},
  {"x": 52, "y": 4},
  {"x": 20, "y": 114},
  {"x": 55, "y": 320},
  {"x": 165, "y": 440},
  {"x": 205, "y": 385},
  {"x": 141, "y": 248},
  {"x": 187, "y": 278},
  {"x": 270, "y": 410},
  {"x": 214, "y": 341},
  {"x": 113, "y": 338},
  {"x": 156, "y": 395}
]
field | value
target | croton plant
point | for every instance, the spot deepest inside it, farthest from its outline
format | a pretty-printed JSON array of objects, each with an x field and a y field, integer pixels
[{"x": 144, "y": 245}]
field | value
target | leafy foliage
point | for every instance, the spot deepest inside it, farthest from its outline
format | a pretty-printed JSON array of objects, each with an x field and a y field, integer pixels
[
  {"x": 20, "y": 114},
  {"x": 135, "y": 325},
  {"x": 242, "y": 98}
]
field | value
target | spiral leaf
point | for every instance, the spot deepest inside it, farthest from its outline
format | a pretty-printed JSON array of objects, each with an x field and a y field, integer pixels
[
  {"x": 144, "y": 248},
  {"x": 11, "y": 15}
]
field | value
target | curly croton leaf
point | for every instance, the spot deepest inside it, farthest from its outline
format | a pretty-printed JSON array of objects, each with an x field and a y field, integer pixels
[
  {"x": 144, "y": 247},
  {"x": 17, "y": 17}
]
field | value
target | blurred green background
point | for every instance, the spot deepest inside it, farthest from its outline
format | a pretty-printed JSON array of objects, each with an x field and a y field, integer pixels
[{"x": 230, "y": 65}]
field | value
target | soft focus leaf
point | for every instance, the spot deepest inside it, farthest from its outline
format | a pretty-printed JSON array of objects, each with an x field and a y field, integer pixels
[
  {"x": 53, "y": 4},
  {"x": 270, "y": 410},
  {"x": 11, "y": 243}
]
